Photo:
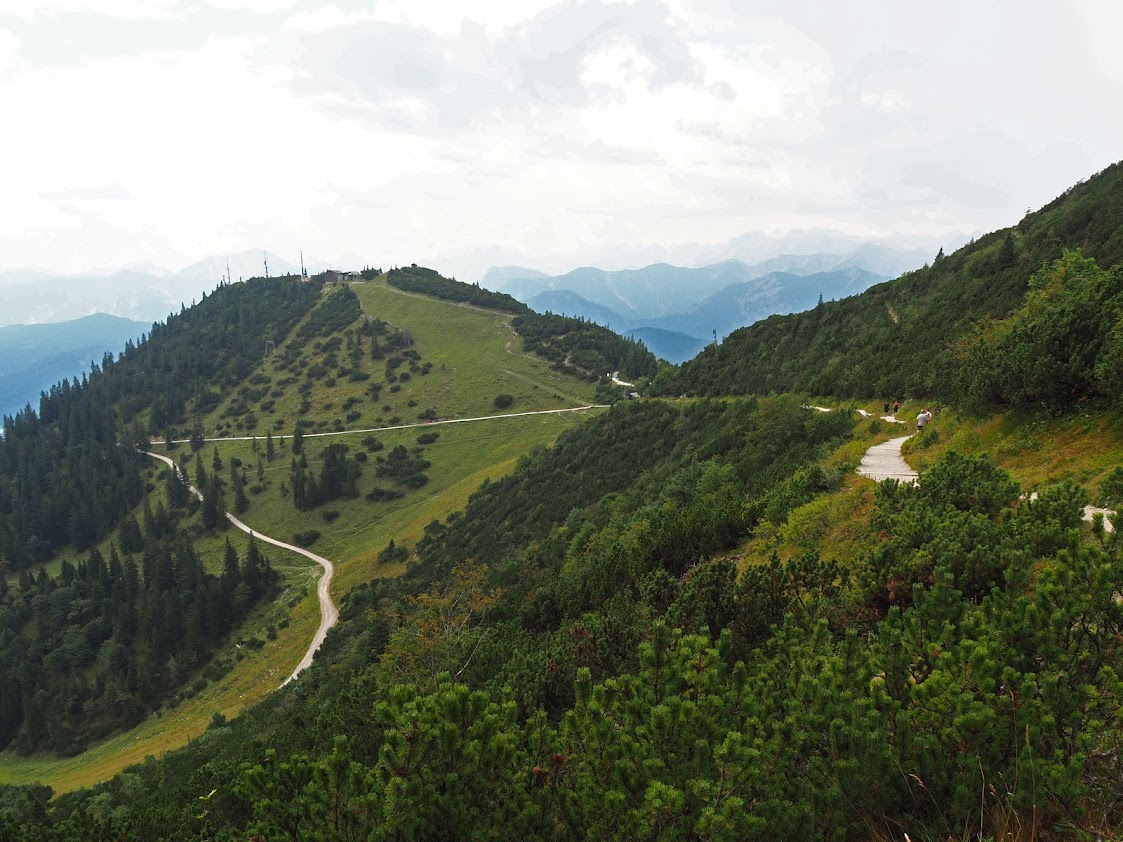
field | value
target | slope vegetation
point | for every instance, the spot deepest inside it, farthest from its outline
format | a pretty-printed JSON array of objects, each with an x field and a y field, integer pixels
[
  {"x": 897, "y": 338},
  {"x": 613, "y": 670}
]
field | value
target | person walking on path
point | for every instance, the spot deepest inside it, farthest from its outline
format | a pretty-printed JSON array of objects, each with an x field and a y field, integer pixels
[
  {"x": 896, "y": 406},
  {"x": 922, "y": 420}
]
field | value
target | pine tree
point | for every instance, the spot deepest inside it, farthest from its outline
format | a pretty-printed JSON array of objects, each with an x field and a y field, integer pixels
[
  {"x": 213, "y": 508},
  {"x": 238, "y": 483}
]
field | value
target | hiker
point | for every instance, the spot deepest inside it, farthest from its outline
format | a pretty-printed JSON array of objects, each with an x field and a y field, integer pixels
[
  {"x": 886, "y": 410},
  {"x": 896, "y": 406},
  {"x": 922, "y": 420},
  {"x": 938, "y": 410}
]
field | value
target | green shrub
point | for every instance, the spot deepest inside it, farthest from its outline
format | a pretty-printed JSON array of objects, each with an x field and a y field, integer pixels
[{"x": 306, "y": 538}]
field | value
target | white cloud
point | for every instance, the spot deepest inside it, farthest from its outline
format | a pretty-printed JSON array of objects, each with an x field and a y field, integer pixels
[
  {"x": 252, "y": 5},
  {"x": 886, "y": 100},
  {"x": 324, "y": 18},
  {"x": 125, "y": 9},
  {"x": 9, "y": 50},
  {"x": 1103, "y": 22},
  {"x": 411, "y": 131},
  {"x": 617, "y": 68},
  {"x": 447, "y": 18}
]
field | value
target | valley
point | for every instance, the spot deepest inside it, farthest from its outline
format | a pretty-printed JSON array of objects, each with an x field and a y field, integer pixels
[{"x": 707, "y": 613}]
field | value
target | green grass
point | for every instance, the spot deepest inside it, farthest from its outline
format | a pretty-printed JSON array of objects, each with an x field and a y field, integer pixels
[
  {"x": 1037, "y": 449},
  {"x": 473, "y": 355},
  {"x": 835, "y": 524},
  {"x": 461, "y": 458}
]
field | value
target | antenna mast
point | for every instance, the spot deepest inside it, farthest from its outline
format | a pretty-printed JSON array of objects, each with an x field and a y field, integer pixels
[
  {"x": 265, "y": 257},
  {"x": 303, "y": 271},
  {"x": 228, "y": 270}
]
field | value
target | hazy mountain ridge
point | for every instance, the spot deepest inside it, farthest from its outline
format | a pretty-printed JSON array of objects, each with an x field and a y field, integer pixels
[
  {"x": 688, "y": 305},
  {"x": 904, "y": 251},
  {"x": 36, "y": 297},
  {"x": 34, "y": 357},
  {"x": 777, "y": 293},
  {"x": 674, "y": 288},
  {"x": 667, "y": 344},
  {"x": 721, "y": 312}
]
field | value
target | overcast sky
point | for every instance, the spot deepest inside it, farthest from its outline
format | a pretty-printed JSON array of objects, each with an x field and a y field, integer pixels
[{"x": 459, "y": 134}]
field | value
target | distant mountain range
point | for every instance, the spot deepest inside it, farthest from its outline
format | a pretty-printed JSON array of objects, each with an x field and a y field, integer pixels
[
  {"x": 675, "y": 310},
  {"x": 35, "y": 357},
  {"x": 145, "y": 293}
]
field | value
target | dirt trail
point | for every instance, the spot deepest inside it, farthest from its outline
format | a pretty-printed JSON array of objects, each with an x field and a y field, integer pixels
[
  {"x": 329, "y": 614},
  {"x": 581, "y": 408}
]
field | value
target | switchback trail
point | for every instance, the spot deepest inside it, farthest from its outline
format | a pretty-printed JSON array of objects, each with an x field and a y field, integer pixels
[{"x": 329, "y": 614}]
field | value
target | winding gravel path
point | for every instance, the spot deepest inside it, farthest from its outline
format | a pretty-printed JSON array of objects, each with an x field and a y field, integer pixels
[{"x": 329, "y": 614}]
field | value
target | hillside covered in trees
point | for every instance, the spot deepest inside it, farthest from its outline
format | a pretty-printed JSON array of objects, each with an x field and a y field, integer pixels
[
  {"x": 586, "y": 659},
  {"x": 96, "y": 645},
  {"x": 133, "y": 619},
  {"x": 63, "y": 476},
  {"x": 898, "y": 338}
]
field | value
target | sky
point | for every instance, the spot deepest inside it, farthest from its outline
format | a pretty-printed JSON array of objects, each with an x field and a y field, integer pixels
[{"x": 549, "y": 134}]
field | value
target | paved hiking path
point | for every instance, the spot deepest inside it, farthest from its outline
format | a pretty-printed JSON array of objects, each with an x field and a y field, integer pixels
[
  {"x": 329, "y": 614},
  {"x": 884, "y": 461}
]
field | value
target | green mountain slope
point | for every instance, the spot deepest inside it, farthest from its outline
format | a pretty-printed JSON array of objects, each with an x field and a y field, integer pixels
[
  {"x": 577, "y": 654},
  {"x": 896, "y": 338},
  {"x": 575, "y": 346},
  {"x": 415, "y": 368}
]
